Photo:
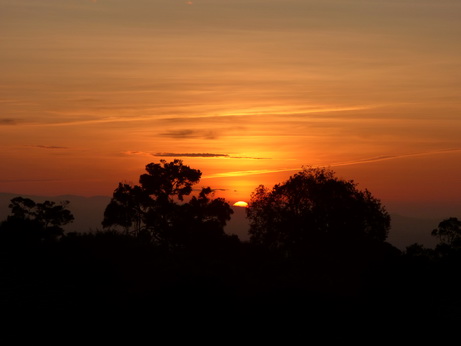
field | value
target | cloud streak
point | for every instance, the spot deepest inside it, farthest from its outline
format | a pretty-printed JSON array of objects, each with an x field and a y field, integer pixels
[
  {"x": 189, "y": 155},
  {"x": 50, "y": 147},
  {"x": 207, "y": 155},
  {"x": 356, "y": 162},
  {"x": 188, "y": 133},
  {"x": 30, "y": 180},
  {"x": 262, "y": 113},
  {"x": 8, "y": 121},
  {"x": 392, "y": 157},
  {"x": 203, "y": 155}
]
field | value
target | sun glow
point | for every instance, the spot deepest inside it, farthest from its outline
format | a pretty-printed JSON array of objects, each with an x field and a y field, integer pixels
[{"x": 241, "y": 204}]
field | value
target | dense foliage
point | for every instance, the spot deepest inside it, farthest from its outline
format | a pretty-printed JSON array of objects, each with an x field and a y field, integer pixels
[{"x": 314, "y": 206}]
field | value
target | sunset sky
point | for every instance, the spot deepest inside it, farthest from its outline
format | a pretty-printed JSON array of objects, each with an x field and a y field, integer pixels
[{"x": 247, "y": 91}]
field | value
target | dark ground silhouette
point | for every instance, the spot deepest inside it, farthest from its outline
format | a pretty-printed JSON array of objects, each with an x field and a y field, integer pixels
[
  {"x": 345, "y": 291},
  {"x": 356, "y": 288}
]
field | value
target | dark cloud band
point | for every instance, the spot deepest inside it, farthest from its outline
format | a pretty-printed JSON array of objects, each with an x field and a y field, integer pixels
[
  {"x": 7, "y": 121},
  {"x": 207, "y": 155},
  {"x": 189, "y": 155},
  {"x": 50, "y": 147}
]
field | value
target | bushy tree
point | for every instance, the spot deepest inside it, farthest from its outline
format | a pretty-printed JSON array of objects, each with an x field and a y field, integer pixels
[{"x": 311, "y": 206}]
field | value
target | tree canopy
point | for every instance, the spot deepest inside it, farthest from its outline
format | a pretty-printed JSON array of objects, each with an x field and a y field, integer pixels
[
  {"x": 36, "y": 221},
  {"x": 448, "y": 231},
  {"x": 156, "y": 207},
  {"x": 312, "y": 205}
]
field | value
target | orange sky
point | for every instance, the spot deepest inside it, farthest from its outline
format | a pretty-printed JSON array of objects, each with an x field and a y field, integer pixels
[{"x": 246, "y": 91}]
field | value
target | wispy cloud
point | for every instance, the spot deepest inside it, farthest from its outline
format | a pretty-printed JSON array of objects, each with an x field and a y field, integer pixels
[
  {"x": 52, "y": 147},
  {"x": 7, "y": 121},
  {"x": 207, "y": 155},
  {"x": 355, "y": 162},
  {"x": 30, "y": 180},
  {"x": 189, "y": 155},
  {"x": 188, "y": 133},
  {"x": 250, "y": 157},
  {"x": 204, "y": 155},
  {"x": 143, "y": 153},
  {"x": 300, "y": 111},
  {"x": 264, "y": 112},
  {"x": 86, "y": 119},
  {"x": 134, "y": 152},
  {"x": 392, "y": 157}
]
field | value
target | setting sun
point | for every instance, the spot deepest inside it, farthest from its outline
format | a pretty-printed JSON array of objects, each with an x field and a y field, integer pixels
[{"x": 240, "y": 204}]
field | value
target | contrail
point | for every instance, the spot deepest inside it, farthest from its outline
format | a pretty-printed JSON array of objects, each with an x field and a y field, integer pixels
[
  {"x": 392, "y": 157},
  {"x": 347, "y": 163}
]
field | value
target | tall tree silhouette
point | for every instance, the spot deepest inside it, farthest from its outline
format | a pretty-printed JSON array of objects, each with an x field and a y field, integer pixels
[
  {"x": 313, "y": 205},
  {"x": 157, "y": 205}
]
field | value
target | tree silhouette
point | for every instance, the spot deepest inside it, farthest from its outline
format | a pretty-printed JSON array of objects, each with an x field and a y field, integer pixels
[
  {"x": 157, "y": 205},
  {"x": 127, "y": 208},
  {"x": 22, "y": 208},
  {"x": 167, "y": 180},
  {"x": 203, "y": 218},
  {"x": 448, "y": 231},
  {"x": 36, "y": 221},
  {"x": 311, "y": 206}
]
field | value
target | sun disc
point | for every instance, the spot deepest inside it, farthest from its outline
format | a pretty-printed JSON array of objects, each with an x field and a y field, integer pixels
[{"x": 241, "y": 204}]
